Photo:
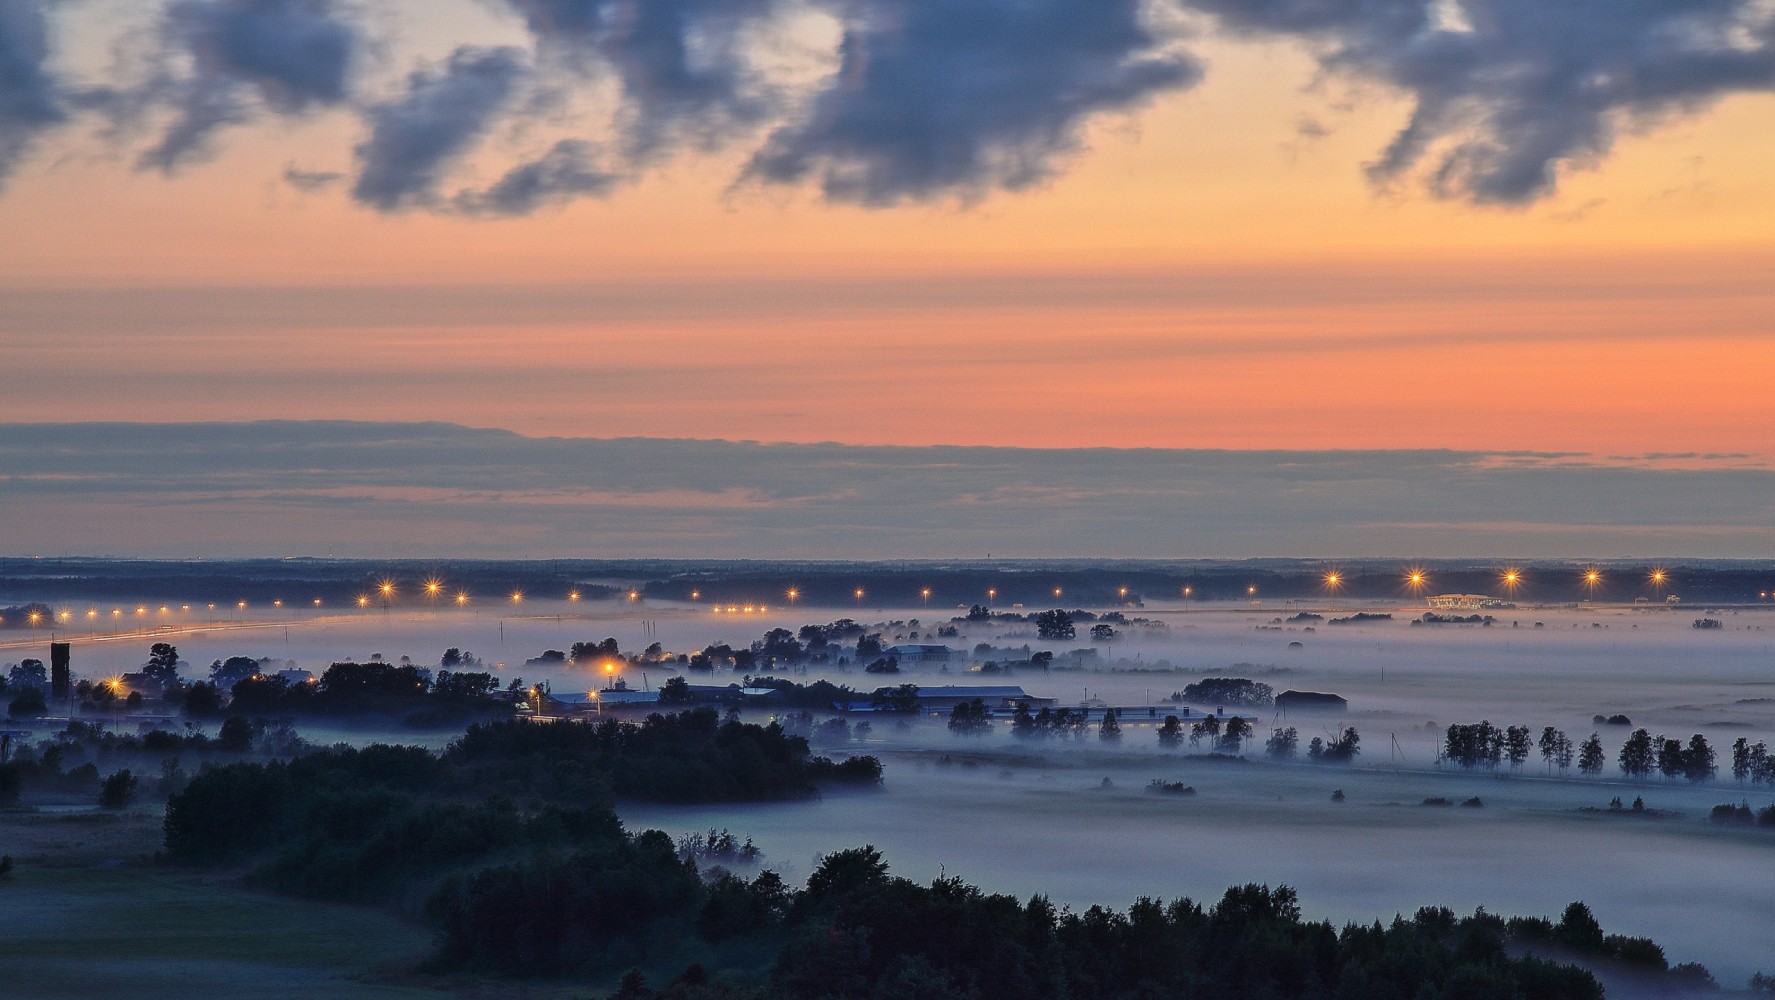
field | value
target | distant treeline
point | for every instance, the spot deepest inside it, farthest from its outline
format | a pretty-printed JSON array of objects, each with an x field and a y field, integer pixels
[
  {"x": 1481, "y": 745},
  {"x": 1106, "y": 583}
]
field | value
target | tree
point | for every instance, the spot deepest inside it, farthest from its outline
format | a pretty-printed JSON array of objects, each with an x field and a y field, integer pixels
[
  {"x": 1637, "y": 756},
  {"x": 163, "y": 663},
  {"x": 1590, "y": 756},
  {"x": 1341, "y": 749},
  {"x": 1283, "y": 744},
  {"x": 1232, "y": 738},
  {"x": 1698, "y": 760},
  {"x": 202, "y": 698},
  {"x": 451, "y": 659},
  {"x": 903, "y": 699},
  {"x": 1055, "y": 624},
  {"x": 1109, "y": 730},
  {"x": 1022, "y": 723},
  {"x": 979, "y": 613},
  {"x": 970, "y": 718},
  {"x": 1672, "y": 762},
  {"x": 1549, "y": 745},
  {"x": 118, "y": 791},
  {"x": 236, "y": 734},
  {"x": 1102, "y": 632},
  {"x": 1516, "y": 745},
  {"x": 675, "y": 691},
  {"x": 224, "y": 674},
  {"x": 27, "y": 674},
  {"x": 1171, "y": 732},
  {"x": 29, "y": 704}
]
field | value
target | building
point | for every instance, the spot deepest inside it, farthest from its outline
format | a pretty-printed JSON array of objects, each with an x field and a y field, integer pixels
[
  {"x": 996, "y": 697},
  {"x": 913, "y": 653},
  {"x": 1466, "y": 602}
]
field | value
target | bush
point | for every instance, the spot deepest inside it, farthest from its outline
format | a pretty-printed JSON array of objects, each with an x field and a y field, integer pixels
[
  {"x": 118, "y": 791},
  {"x": 28, "y": 705}
]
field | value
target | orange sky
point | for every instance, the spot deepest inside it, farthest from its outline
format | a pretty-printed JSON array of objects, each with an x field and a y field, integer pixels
[{"x": 1200, "y": 276}]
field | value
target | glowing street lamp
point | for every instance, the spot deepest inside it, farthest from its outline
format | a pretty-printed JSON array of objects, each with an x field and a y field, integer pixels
[
  {"x": 1187, "y": 591},
  {"x": 696, "y": 595},
  {"x": 793, "y": 594},
  {"x": 363, "y": 600},
  {"x": 433, "y": 588},
  {"x": 1415, "y": 580},
  {"x": 859, "y": 597},
  {"x": 573, "y": 595},
  {"x": 1592, "y": 578},
  {"x": 926, "y": 595},
  {"x": 1251, "y": 591},
  {"x": 991, "y": 594},
  {"x": 461, "y": 598},
  {"x": 517, "y": 597},
  {"x": 1659, "y": 578},
  {"x": 1512, "y": 580}
]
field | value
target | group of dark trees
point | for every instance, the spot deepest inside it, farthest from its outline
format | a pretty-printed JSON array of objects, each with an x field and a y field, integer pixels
[
  {"x": 1238, "y": 691},
  {"x": 1485, "y": 746},
  {"x": 558, "y": 888},
  {"x": 1340, "y": 749},
  {"x": 1644, "y": 754},
  {"x": 1048, "y": 722},
  {"x": 1752, "y": 762},
  {"x": 401, "y": 690},
  {"x": 856, "y": 932}
]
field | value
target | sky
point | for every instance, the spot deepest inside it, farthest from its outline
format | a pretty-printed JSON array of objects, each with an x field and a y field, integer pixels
[{"x": 1254, "y": 226}]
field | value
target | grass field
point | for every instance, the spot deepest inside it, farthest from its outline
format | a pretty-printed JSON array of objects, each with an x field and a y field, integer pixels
[{"x": 86, "y": 913}]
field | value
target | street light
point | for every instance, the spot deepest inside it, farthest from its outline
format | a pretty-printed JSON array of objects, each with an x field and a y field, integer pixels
[
  {"x": 859, "y": 597},
  {"x": 1512, "y": 580},
  {"x": 926, "y": 594},
  {"x": 793, "y": 594},
  {"x": 1415, "y": 580}
]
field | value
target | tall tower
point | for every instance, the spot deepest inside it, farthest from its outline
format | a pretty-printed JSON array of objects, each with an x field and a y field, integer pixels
[{"x": 58, "y": 669}]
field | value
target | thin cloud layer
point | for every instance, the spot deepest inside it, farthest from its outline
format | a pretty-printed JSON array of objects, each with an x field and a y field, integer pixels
[
  {"x": 931, "y": 101},
  {"x": 29, "y": 98},
  {"x": 441, "y": 489},
  {"x": 936, "y": 98},
  {"x": 1505, "y": 92}
]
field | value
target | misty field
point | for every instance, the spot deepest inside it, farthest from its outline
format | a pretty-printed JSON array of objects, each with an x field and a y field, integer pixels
[{"x": 1073, "y": 817}]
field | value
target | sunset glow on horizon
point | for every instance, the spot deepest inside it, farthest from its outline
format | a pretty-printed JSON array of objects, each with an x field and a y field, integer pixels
[{"x": 1225, "y": 228}]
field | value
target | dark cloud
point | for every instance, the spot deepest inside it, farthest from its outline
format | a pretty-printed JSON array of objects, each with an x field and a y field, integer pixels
[
  {"x": 682, "y": 63},
  {"x": 288, "y": 56},
  {"x": 311, "y": 180},
  {"x": 419, "y": 134},
  {"x": 936, "y": 98},
  {"x": 29, "y": 98},
  {"x": 1505, "y": 91},
  {"x": 567, "y": 171}
]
